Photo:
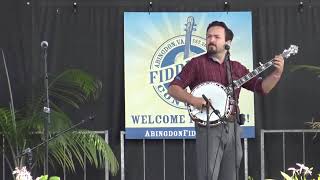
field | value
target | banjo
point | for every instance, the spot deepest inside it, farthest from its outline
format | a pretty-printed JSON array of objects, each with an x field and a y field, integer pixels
[{"x": 222, "y": 95}]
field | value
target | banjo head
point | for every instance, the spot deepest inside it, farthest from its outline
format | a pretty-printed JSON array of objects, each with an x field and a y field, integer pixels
[{"x": 220, "y": 100}]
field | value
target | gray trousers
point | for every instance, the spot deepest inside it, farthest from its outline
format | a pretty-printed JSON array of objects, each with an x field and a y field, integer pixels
[{"x": 221, "y": 150}]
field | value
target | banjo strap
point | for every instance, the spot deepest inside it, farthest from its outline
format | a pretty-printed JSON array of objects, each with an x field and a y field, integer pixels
[
  {"x": 233, "y": 100},
  {"x": 228, "y": 69}
]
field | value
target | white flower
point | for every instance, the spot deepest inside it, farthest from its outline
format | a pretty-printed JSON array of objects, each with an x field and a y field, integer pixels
[
  {"x": 301, "y": 173},
  {"x": 302, "y": 167},
  {"x": 22, "y": 174},
  {"x": 294, "y": 170},
  {"x": 308, "y": 171}
]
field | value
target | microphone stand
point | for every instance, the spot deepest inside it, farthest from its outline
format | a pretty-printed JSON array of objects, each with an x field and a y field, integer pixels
[
  {"x": 208, "y": 105},
  {"x": 46, "y": 108},
  {"x": 233, "y": 95},
  {"x": 207, "y": 128},
  {"x": 28, "y": 151}
]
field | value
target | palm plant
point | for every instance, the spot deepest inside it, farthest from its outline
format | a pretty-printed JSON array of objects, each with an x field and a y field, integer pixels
[
  {"x": 315, "y": 124},
  {"x": 311, "y": 68},
  {"x": 24, "y": 128}
]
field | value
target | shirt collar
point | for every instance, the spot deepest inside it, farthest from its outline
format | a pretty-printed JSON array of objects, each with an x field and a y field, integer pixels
[{"x": 214, "y": 59}]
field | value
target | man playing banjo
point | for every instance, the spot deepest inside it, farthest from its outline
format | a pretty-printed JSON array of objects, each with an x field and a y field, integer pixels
[{"x": 211, "y": 67}]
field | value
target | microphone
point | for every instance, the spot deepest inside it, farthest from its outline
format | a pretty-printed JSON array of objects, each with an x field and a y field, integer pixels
[
  {"x": 217, "y": 112},
  {"x": 205, "y": 98},
  {"x": 227, "y": 47},
  {"x": 92, "y": 117},
  {"x": 44, "y": 44}
]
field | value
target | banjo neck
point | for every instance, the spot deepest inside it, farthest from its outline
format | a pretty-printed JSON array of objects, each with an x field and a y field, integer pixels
[
  {"x": 238, "y": 83},
  {"x": 292, "y": 50}
]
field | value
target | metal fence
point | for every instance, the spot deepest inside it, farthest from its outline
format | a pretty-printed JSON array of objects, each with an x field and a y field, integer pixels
[
  {"x": 183, "y": 163},
  {"x": 284, "y": 134}
]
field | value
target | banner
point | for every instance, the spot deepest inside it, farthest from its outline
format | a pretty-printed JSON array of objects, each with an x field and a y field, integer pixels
[{"x": 156, "y": 47}]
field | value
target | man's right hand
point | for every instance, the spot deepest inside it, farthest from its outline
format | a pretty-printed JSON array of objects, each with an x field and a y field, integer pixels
[
  {"x": 197, "y": 102},
  {"x": 182, "y": 95}
]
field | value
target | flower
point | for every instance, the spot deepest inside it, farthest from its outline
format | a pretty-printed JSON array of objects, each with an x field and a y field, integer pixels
[
  {"x": 307, "y": 171},
  {"x": 301, "y": 173},
  {"x": 293, "y": 170},
  {"x": 22, "y": 174},
  {"x": 302, "y": 167}
]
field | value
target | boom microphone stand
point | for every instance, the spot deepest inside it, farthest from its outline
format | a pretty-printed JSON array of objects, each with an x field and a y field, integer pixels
[{"x": 28, "y": 151}]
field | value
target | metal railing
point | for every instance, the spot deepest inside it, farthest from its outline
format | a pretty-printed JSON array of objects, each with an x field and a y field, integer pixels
[
  {"x": 183, "y": 163},
  {"x": 283, "y": 133}
]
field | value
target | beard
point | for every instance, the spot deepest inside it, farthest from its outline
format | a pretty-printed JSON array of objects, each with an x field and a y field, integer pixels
[
  {"x": 211, "y": 49},
  {"x": 214, "y": 49}
]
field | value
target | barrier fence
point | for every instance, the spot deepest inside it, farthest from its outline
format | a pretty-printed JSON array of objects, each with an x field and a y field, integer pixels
[{"x": 285, "y": 135}]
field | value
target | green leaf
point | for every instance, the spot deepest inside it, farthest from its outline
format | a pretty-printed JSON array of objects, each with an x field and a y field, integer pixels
[
  {"x": 44, "y": 177},
  {"x": 286, "y": 176},
  {"x": 82, "y": 84},
  {"x": 54, "y": 178},
  {"x": 314, "y": 69}
]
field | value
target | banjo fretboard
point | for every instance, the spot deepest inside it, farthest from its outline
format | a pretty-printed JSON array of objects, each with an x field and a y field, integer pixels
[{"x": 293, "y": 49}]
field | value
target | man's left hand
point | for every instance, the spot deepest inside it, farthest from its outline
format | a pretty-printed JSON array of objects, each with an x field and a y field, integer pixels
[{"x": 278, "y": 63}]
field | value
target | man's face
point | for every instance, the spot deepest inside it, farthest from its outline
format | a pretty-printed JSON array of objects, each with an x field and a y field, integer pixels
[{"x": 215, "y": 40}]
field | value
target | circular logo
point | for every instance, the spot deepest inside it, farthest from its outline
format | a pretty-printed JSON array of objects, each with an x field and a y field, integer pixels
[{"x": 169, "y": 60}]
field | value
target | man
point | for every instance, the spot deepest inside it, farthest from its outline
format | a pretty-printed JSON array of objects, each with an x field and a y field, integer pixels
[{"x": 212, "y": 67}]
